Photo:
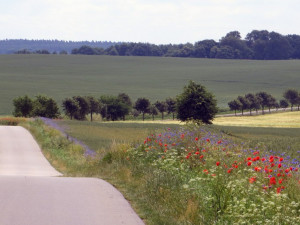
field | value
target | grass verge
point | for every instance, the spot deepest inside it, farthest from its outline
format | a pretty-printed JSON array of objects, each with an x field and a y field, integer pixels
[{"x": 188, "y": 175}]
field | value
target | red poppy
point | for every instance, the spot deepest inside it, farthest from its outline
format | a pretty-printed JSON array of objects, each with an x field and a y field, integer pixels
[
  {"x": 278, "y": 190},
  {"x": 279, "y": 165},
  {"x": 252, "y": 180},
  {"x": 229, "y": 171},
  {"x": 272, "y": 180},
  {"x": 281, "y": 159},
  {"x": 196, "y": 139},
  {"x": 249, "y": 163},
  {"x": 218, "y": 163}
]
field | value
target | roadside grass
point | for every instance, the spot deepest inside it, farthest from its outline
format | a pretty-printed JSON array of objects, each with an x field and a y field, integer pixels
[
  {"x": 99, "y": 136},
  {"x": 11, "y": 121},
  {"x": 153, "y": 77},
  {"x": 281, "y": 120},
  {"x": 165, "y": 179}
]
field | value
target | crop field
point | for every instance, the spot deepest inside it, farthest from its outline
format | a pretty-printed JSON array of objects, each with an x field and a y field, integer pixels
[
  {"x": 286, "y": 119},
  {"x": 157, "y": 78}
]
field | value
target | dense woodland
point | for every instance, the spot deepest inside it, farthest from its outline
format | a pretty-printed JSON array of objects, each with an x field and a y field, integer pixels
[
  {"x": 47, "y": 46},
  {"x": 259, "y": 45}
]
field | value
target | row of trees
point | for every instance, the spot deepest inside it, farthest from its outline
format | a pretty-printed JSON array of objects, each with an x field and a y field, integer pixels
[
  {"x": 40, "y": 106},
  {"x": 262, "y": 100},
  {"x": 194, "y": 103},
  {"x": 258, "y": 44},
  {"x": 115, "y": 107}
]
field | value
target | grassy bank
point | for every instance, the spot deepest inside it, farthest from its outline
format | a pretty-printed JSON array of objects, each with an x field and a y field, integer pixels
[
  {"x": 187, "y": 175},
  {"x": 153, "y": 77}
]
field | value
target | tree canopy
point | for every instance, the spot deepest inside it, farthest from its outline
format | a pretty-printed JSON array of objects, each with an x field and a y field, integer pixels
[{"x": 196, "y": 103}]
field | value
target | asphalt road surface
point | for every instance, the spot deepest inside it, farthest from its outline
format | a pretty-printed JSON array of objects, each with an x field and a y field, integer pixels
[{"x": 34, "y": 193}]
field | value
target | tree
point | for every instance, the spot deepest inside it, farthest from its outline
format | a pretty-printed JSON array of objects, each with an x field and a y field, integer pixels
[
  {"x": 244, "y": 102},
  {"x": 235, "y": 105},
  {"x": 84, "y": 107},
  {"x": 45, "y": 107},
  {"x": 153, "y": 111},
  {"x": 171, "y": 106},
  {"x": 271, "y": 102},
  {"x": 126, "y": 100},
  {"x": 70, "y": 107},
  {"x": 113, "y": 108},
  {"x": 196, "y": 103},
  {"x": 283, "y": 103},
  {"x": 162, "y": 107},
  {"x": 253, "y": 102},
  {"x": 23, "y": 106},
  {"x": 94, "y": 105},
  {"x": 291, "y": 95},
  {"x": 142, "y": 105},
  {"x": 263, "y": 99}
]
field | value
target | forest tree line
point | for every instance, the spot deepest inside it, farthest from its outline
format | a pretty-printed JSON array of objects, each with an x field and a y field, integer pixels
[
  {"x": 258, "y": 44},
  {"x": 24, "y": 46}
]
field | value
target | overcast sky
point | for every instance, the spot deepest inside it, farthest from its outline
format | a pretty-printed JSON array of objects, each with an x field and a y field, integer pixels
[{"x": 154, "y": 21}]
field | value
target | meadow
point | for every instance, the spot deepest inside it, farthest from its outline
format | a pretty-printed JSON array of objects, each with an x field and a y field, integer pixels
[
  {"x": 186, "y": 174},
  {"x": 157, "y": 78}
]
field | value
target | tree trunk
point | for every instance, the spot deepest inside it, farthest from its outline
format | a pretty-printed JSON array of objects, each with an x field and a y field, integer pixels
[
  {"x": 143, "y": 116},
  {"x": 235, "y": 112},
  {"x": 162, "y": 115},
  {"x": 153, "y": 117},
  {"x": 242, "y": 112},
  {"x": 173, "y": 116},
  {"x": 250, "y": 113},
  {"x": 91, "y": 116}
]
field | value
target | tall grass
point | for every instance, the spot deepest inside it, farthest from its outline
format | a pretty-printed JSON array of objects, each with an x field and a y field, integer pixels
[{"x": 172, "y": 176}]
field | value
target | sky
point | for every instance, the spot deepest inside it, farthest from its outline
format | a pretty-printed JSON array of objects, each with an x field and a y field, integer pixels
[{"x": 152, "y": 21}]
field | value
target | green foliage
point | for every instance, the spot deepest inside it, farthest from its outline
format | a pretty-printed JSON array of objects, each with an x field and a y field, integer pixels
[
  {"x": 23, "y": 106},
  {"x": 235, "y": 105},
  {"x": 292, "y": 96},
  {"x": 114, "y": 108},
  {"x": 162, "y": 107},
  {"x": 143, "y": 106},
  {"x": 45, "y": 107},
  {"x": 94, "y": 105},
  {"x": 42, "y": 106},
  {"x": 83, "y": 107},
  {"x": 196, "y": 103},
  {"x": 171, "y": 106},
  {"x": 70, "y": 107},
  {"x": 153, "y": 111},
  {"x": 283, "y": 103}
]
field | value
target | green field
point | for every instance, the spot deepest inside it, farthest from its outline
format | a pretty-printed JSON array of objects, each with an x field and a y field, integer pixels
[{"x": 153, "y": 77}]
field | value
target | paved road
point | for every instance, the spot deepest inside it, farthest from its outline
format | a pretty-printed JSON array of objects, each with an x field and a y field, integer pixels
[{"x": 32, "y": 193}]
